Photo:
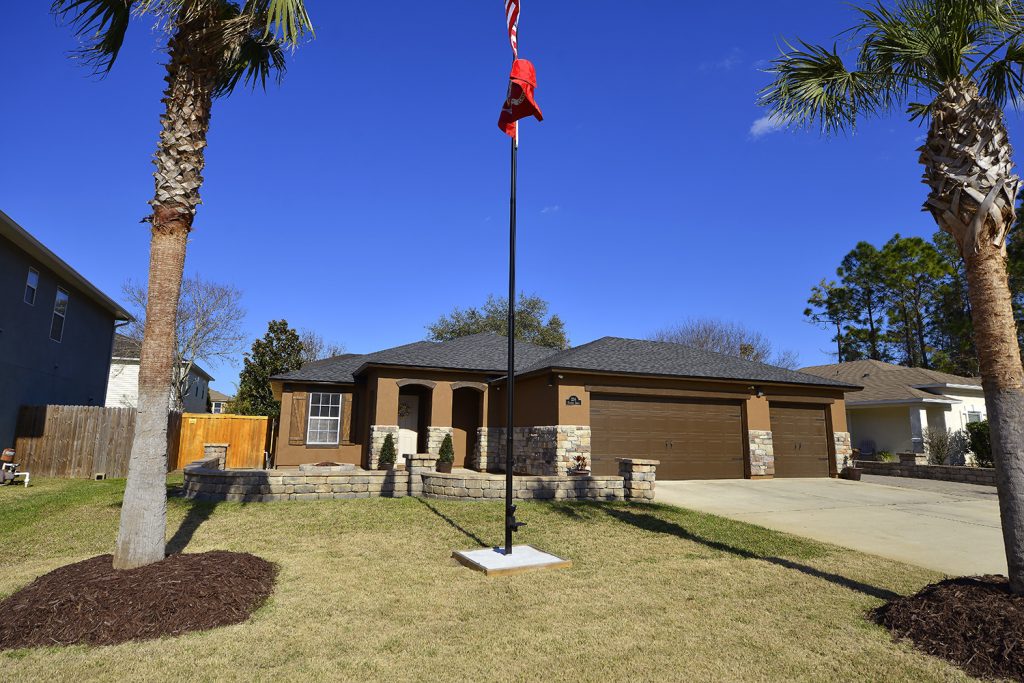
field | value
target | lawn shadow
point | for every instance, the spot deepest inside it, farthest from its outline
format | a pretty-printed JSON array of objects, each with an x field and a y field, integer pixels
[
  {"x": 462, "y": 530},
  {"x": 652, "y": 523},
  {"x": 198, "y": 512}
]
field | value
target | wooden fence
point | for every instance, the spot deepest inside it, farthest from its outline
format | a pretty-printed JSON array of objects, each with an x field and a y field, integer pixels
[
  {"x": 79, "y": 441},
  {"x": 82, "y": 441},
  {"x": 247, "y": 436}
]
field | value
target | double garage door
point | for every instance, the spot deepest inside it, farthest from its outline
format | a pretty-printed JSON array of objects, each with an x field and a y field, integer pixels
[{"x": 702, "y": 439}]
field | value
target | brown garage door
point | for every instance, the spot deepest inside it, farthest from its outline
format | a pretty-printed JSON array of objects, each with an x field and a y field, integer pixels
[
  {"x": 800, "y": 440},
  {"x": 693, "y": 439}
]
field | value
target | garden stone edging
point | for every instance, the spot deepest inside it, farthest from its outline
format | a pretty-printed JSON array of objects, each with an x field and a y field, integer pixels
[
  {"x": 984, "y": 476},
  {"x": 204, "y": 480}
]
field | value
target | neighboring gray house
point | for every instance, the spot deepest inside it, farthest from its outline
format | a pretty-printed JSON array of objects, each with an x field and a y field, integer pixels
[
  {"x": 123, "y": 387},
  {"x": 56, "y": 330}
]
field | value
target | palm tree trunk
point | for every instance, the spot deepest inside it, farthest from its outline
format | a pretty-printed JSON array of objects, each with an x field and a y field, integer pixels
[
  {"x": 179, "y": 161},
  {"x": 969, "y": 166},
  {"x": 995, "y": 336}
]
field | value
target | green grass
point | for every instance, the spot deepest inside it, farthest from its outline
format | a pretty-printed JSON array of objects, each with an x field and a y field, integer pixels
[{"x": 367, "y": 590}]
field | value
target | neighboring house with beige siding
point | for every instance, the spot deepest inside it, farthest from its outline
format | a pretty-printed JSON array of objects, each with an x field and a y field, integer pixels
[
  {"x": 123, "y": 383},
  {"x": 899, "y": 404},
  {"x": 702, "y": 415}
]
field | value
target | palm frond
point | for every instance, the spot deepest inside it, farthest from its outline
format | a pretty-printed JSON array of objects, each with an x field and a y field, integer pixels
[
  {"x": 813, "y": 87},
  {"x": 252, "y": 60},
  {"x": 286, "y": 20},
  {"x": 100, "y": 25},
  {"x": 1002, "y": 79}
]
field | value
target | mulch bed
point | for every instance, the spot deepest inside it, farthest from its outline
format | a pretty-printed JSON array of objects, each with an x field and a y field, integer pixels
[
  {"x": 91, "y": 603},
  {"x": 975, "y": 623},
  {"x": 326, "y": 463}
]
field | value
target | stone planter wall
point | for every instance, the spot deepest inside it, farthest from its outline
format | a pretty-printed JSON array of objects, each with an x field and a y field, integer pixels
[
  {"x": 204, "y": 480},
  {"x": 543, "y": 451},
  {"x": 966, "y": 475}
]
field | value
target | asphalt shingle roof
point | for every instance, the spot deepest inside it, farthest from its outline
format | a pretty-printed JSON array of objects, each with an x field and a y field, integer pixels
[
  {"x": 640, "y": 357},
  {"x": 484, "y": 352},
  {"x": 888, "y": 382}
]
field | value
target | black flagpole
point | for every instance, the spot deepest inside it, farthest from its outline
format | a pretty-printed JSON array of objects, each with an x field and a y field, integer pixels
[{"x": 510, "y": 510}]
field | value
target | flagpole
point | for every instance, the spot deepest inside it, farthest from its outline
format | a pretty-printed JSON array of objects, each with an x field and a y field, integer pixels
[{"x": 510, "y": 509}]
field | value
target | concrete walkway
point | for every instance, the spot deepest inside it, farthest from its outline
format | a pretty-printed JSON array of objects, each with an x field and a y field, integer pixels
[{"x": 945, "y": 526}]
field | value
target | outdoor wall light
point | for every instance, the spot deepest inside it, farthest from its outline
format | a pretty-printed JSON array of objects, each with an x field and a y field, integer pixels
[{"x": 758, "y": 391}]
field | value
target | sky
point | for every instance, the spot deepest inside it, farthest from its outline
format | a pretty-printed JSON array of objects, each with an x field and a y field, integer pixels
[{"x": 368, "y": 193}]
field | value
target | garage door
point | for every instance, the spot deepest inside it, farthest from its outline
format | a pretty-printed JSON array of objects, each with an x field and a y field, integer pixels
[
  {"x": 693, "y": 439},
  {"x": 800, "y": 440}
]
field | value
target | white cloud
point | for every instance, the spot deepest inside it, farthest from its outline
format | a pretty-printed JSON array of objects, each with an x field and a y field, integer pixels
[
  {"x": 551, "y": 209},
  {"x": 727, "y": 63},
  {"x": 765, "y": 126}
]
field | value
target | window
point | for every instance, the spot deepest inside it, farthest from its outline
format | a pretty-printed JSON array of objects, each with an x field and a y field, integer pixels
[
  {"x": 60, "y": 312},
  {"x": 31, "y": 286},
  {"x": 324, "y": 419},
  {"x": 973, "y": 416},
  {"x": 217, "y": 408}
]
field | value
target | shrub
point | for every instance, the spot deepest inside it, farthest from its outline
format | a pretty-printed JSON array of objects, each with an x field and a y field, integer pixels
[
  {"x": 946, "y": 446},
  {"x": 447, "y": 452},
  {"x": 885, "y": 456},
  {"x": 981, "y": 443},
  {"x": 387, "y": 451}
]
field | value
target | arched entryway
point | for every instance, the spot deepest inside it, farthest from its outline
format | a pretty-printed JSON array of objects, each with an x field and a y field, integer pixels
[
  {"x": 467, "y": 409},
  {"x": 413, "y": 417}
]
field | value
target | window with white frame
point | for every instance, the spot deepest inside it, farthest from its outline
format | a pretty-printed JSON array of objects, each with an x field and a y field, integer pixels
[
  {"x": 324, "y": 419},
  {"x": 31, "y": 286},
  {"x": 217, "y": 408},
  {"x": 60, "y": 312},
  {"x": 973, "y": 416}
]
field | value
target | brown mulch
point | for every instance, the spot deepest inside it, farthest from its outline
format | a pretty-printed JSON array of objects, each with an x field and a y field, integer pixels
[
  {"x": 91, "y": 603},
  {"x": 326, "y": 463},
  {"x": 973, "y": 622}
]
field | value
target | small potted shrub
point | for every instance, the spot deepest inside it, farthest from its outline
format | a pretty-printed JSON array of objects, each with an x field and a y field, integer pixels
[
  {"x": 850, "y": 470},
  {"x": 580, "y": 466},
  {"x": 446, "y": 456},
  {"x": 386, "y": 459}
]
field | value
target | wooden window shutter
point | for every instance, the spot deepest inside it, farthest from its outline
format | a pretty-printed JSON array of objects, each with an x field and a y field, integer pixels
[
  {"x": 299, "y": 416},
  {"x": 346, "y": 418}
]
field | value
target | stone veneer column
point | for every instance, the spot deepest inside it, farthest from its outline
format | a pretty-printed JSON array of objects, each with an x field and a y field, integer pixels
[
  {"x": 417, "y": 465},
  {"x": 543, "y": 451},
  {"x": 377, "y": 435},
  {"x": 435, "y": 435},
  {"x": 762, "y": 453},
  {"x": 844, "y": 450},
  {"x": 216, "y": 450},
  {"x": 638, "y": 477}
]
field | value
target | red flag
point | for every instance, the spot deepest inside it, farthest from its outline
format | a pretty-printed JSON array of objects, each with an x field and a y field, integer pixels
[{"x": 519, "y": 102}]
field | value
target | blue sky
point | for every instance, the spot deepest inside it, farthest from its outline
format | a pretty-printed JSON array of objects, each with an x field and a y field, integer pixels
[{"x": 368, "y": 193}]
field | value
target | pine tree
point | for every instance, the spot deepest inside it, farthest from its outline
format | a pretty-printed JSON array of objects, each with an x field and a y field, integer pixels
[{"x": 279, "y": 351}]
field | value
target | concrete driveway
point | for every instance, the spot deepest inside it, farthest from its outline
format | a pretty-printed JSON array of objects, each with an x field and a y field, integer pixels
[{"x": 951, "y": 528}]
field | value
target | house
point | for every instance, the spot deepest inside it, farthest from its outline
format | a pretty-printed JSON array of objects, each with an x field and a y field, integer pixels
[
  {"x": 220, "y": 403},
  {"x": 56, "y": 330},
  {"x": 703, "y": 415},
  {"x": 899, "y": 404},
  {"x": 123, "y": 385}
]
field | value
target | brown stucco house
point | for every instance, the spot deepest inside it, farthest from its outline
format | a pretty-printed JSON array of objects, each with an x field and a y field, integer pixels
[{"x": 703, "y": 415}]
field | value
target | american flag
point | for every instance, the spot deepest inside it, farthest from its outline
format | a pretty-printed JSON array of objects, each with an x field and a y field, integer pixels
[{"x": 512, "y": 19}]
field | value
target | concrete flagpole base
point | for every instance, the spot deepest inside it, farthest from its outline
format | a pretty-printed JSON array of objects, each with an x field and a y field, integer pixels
[{"x": 524, "y": 558}]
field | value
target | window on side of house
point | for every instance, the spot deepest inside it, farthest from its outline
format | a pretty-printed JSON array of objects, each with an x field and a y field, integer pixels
[
  {"x": 60, "y": 313},
  {"x": 217, "y": 408},
  {"x": 973, "y": 416},
  {"x": 31, "y": 286},
  {"x": 324, "y": 419}
]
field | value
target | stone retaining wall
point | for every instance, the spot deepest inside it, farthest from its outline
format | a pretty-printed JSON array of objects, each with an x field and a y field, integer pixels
[
  {"x": 966, "y": 475},
  {"x": 204, "y": 480}
]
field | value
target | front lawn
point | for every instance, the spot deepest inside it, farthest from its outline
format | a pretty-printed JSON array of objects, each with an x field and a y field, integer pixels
[{"x": 367, "y": 591}]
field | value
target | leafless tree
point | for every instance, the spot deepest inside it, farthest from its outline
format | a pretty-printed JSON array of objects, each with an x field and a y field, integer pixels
[
  {"x": 315, "y": 348},
  {"x": 729, "y": 338},
  {"x": 208, "y": 325}
]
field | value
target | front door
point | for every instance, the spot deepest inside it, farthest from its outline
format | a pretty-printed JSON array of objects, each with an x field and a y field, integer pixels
[{"x": 408, "y": 423}]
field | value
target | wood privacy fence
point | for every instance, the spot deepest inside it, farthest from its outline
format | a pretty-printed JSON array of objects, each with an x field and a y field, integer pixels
[
  {"x": 79, "y": 441},
  {"x": 247, "y": 436},
  {"x": 83, "y": 441}
]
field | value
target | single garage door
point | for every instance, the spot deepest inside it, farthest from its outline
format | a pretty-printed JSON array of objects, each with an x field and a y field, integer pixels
[
  {"x": 693, "y": 439},
  {"x": 800, "y": 440}
]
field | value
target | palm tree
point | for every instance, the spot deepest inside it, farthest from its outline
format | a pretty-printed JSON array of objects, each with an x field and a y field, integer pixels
[
  {"x": 954, "y": 64},
  {"x": 213, "y": 45}
]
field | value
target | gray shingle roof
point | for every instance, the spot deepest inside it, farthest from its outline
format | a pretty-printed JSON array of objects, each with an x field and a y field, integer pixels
[
  {"x": 885, "y": 382},
  {"x": 484, "y": 352},
  {"x": 640, "y": 357}
]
